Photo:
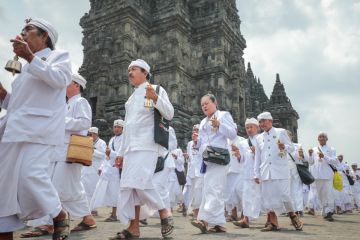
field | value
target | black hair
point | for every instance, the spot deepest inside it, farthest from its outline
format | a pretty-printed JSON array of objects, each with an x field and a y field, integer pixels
[
  {"x": 148, "y": 74},
  {"x": 81, "y": 87},
  {"x": 48, "y": 40},
  {"x": 211, "y": 96}
]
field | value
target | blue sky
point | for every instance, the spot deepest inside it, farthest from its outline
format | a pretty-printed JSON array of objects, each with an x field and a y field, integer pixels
[{"x": 313, "y": 45}]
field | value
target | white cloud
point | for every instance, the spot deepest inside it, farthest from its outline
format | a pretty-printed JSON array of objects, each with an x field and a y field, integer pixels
[{"x": 314, "y": 46}]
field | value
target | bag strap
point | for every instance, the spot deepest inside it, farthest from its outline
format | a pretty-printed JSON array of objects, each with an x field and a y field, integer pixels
[
  {"x": 331, "y": 166},
  {"x": 250, "y": 143},
  {"x": 291, "y": 157}
]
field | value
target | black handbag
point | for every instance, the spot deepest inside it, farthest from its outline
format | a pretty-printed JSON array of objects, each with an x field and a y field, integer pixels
[
  {"x": 160, "y": 164},
  {"x": 181, "y": 177},
  {"x": 305, "y": 175},
  {"x": 216, "y": 155},
  {"x": 161, "y": 127}
]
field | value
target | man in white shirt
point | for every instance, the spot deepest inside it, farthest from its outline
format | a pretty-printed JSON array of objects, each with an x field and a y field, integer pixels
[
  {"x": 296, "y": 186},
  {"x": 67, "y": 177},
  {"x": 321, "y": 158},
  {"x": 32, "y": 128},
  {"x": 138, "y": 153},
  {"x": 251, "y": 192},
  {"x": 272, "y": 171},
  {"x": 90, "y": 174},
  {"x": 107, "y": 188}
]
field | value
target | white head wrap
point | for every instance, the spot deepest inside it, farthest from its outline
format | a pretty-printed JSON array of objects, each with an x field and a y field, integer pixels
[
  {"x": 265, "y": 116},
  {"x": 140, "y": 63},
  {"x": 323, "y": 134},
  {"x": 119, "y": 122},
  {"x": 196, "y": 126},
  {"x": 47, "y": 27},
  {"x": 94, "y": 130},
  {"x": 251, "y": 121},
  {"x": 79, "y": 79}
]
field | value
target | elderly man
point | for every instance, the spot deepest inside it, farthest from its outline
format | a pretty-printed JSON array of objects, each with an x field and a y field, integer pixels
[
  {"x": 251, "y": 194},
  {"x": 107, "y": 188},
  {"x": 272, "y": 171},
  {"x": 139, "y": 152},
  {"x": 67, "y": 177},
  {"x": 321, "y": 158},
  {"x": 33, "y": 126}
]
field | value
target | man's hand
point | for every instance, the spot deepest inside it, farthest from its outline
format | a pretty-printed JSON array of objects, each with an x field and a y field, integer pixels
[
  {"x": 150, "y": 93},
  {"x": 99, "y": 172},
  {"x": 186, "y": 155},
  {"x": 22, "y": 49},
  {"x": 252, "y": 149},
  {"x": 107, "y": 151},
  {"x": 321, "y": 155},
  {"x": 257, "y": 180},
  {"x": 3, "y": 92},
  {"x": 281, "y": 145},
  {"x": 174, "y": 156},
  {"x": 119, "y": 161},
  {"x": 215, "y": 123}
]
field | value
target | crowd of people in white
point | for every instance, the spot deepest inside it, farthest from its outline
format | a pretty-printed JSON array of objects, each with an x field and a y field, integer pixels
[{"x": 219, "y": 177}]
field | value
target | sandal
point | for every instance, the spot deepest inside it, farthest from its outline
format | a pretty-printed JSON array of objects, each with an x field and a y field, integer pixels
[
  {"x": 241, "y": 224},
  {"x": 230, "y": 218},
  {"x": 217, "y": 229},
  {"x": 83, "y": 227},
  {"x": 270, "y": 228},
  {"x": 295, "y": 220},
  {"x": 62, "y": 228},
  {"x": 143, "y": 222},
  {"x": 202, "y": 225},
  {"x": 36, "y": 232},
  {"x": 167, "y": 226},
  {"x": 111, "y": 219},
  {"x": 124, "y": 234}
]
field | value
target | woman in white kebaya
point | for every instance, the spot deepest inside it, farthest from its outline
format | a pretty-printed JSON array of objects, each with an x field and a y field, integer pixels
[{"x": 215, "y": 130}]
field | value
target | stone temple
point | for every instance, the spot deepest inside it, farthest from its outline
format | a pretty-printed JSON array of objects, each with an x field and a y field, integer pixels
[{"x": 193, "y": 47}]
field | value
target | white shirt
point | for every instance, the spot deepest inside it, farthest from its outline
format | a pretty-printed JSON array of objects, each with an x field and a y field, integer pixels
[
  {"x": 78, "y": 117},
  {"x": 218, "y": 138},
  {"x": 138, "y": 132},
  {"x": 179, "y": 161},
  {"x": 35, "y": 108},
  {"x": 98, "y": 157},
  {"x": 248, "y": 157},
  {"x": 268, "y": 163},
  {"x": 320, "y": 168},
  {"x": 194, "y": 164},
  {"x": 236, "y": 165}
]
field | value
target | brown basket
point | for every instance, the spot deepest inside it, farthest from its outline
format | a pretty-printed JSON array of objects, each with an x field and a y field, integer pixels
[{"x": 80, "y": 150}]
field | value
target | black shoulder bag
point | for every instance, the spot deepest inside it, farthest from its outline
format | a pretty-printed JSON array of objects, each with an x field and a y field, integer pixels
[
  {"x": 160, "y": 164},
  {"x": 161, "y": 127},
  {"x": 304, "y": 173}
]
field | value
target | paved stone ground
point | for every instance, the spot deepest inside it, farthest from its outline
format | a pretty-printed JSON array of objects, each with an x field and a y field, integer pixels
[{"x": 346, "y": 226}]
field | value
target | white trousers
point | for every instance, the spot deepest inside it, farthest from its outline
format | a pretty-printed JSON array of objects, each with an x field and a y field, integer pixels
[
  {"x": 231, "y": 199},
  {"x": 136, "y": 186},
  {"x": 296, "y": 190},
  {"x": 26, "y": 189},
  {"x": 324, "y": 190},
  {"x": 251, "y": 200},
  {"x": 213, "y": 202},
  {"x": 276, "y": 196}
]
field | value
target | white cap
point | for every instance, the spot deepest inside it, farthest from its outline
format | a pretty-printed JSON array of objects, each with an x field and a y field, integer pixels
[
  {"x": 79, "y": 79},
  {"x": 140, "y": 63},
  {"x": 94, "y": 130},
  {"x": 119, "y": 122},
  {"x": 251, "y": 121},
  {"x": 323, "y": 134},
  {"x": 47, "y": 27},
  {"x": 265, "y": 116},
  {"x": 196, "y": 126}
]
